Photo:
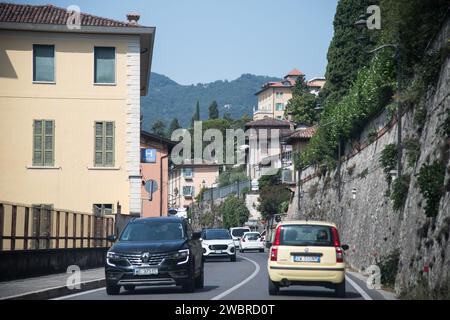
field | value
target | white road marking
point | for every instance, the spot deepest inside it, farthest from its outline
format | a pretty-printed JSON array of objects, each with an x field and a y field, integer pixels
[
  {"x": 358, "y": 288},
  {"x": 227, "y": 292},
  {"x": 79, "y": 294}
]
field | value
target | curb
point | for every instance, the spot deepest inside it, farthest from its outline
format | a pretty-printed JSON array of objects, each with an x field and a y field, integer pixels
[{"x": 56, "y": 292}]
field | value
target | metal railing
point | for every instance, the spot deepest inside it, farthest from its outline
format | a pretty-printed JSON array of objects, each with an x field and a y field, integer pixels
[
  {"x": 24, "y": 227},
  {"x": 222, "y": 192}
]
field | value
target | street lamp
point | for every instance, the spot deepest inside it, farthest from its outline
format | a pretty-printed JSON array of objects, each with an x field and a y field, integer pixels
[{"x": 361, "y": 25}]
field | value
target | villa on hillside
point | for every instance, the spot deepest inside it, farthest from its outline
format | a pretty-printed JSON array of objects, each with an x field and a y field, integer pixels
[{"x": 274, "y": 96}]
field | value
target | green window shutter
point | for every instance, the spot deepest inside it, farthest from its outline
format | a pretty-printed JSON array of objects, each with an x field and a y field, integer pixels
[
  {"x": 38, "y": 128},
  {"x": 49, "y": 143},
  {"x": 104, "y": 144},
  {"x": 98, "y": 156}
]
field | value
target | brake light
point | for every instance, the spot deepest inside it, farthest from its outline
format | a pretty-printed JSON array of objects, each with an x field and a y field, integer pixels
[
  {"x": 337, "y": 245},
  {"x": 274, "y": 254},
  {"x": 339, "y": 255},
  {"x": 276, "y": 242},
  {"x": 336, "y": 241}
]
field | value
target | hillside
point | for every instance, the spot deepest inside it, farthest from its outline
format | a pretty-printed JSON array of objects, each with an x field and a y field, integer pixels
[{"x": 167, "y": 99}]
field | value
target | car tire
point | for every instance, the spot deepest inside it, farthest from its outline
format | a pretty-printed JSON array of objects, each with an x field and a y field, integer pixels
[
  {"x": 129, "y": 288},
  {"x": 189, "y": 285},
  {"x": 112, "y": 290},
  {"x": 274, "y": 288},
  {"x": 200, "y": 280},
  {"x": 233, "y": 258},
  {"x": 339, "y": 290}
]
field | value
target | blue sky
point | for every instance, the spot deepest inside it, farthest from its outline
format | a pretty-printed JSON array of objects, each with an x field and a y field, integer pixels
[{"x": 199, "y": 41}]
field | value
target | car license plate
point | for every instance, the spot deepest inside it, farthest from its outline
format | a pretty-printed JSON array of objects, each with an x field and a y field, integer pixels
[
  {"x": 145, "y": 271},
  {"x": 218, "y": 251},
  {"x": 314, "y": 259}
]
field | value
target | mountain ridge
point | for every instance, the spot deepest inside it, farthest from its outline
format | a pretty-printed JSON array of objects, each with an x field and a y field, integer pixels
[{"x": 168, "y": 99}]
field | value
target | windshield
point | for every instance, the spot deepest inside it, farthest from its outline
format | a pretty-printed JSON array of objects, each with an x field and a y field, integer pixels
[
  {"x": 238, "y": 232},
  {"x": 153, "y": 231},
  {"x": 306, "y": 235},
  {"x": 216, "y": 235}
]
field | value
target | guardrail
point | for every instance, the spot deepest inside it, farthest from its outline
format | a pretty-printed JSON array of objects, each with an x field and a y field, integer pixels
[
  {"x": 222, "y": 192},
  {"x": 24, "y": 227}
]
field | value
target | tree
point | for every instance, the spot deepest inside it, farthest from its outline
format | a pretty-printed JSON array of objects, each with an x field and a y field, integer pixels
[
  {"x": 174, "y": 125},
  {"x": 234, "y": 212},
  {"x": 272, "y": 200},
  {"x": 159, "y": 128},
  {"x": 213, "y": 110},
  {"x": 196, "y": 116},
  {"x": 345, "y": 55},
  {"x": 303, "y": 103}
]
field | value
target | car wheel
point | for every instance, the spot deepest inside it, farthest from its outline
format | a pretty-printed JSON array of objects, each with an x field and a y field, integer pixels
[
  {"x": 129, "y": 288},
  {"x": 233, "y": 258},
  {"x": 200, "y": 280},
  {"x": 274, "y": 288},
  {"x": 189, "y": 285},
  {"x": 339, "y": 290},
  {"x": 112, "y": 290}
]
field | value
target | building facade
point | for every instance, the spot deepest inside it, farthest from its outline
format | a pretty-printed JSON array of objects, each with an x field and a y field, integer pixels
[
  {"x": 70, "y": 109},
  {"x": 155, "y": 152},
  {"x": 274, "y": 96},
  {"x": 186, "y": 182}
]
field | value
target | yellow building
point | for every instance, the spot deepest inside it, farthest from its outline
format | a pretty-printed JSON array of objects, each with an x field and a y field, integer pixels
[
  {"x": 274, "y": 96},
  {"x": 70, "y": 109}
]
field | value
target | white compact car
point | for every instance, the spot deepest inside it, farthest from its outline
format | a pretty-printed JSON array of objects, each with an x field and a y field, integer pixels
[
  {"x": 251, "y": 241},
  {"x": 218, "y": 243},
  {"x": 237, "y": 234}
]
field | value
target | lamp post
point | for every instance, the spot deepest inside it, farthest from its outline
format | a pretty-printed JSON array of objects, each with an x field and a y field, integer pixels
[{"x": 361, "y": 25}]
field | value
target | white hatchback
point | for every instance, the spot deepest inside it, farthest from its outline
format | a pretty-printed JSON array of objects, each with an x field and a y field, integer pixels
[{"x": 251, "y": 241}]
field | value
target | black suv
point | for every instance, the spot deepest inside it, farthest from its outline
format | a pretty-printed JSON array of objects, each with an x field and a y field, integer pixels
[{"x": 155, "y": 252}]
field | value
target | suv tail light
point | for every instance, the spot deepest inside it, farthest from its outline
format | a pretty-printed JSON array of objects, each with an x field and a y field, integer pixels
[
  {"x": 274, "y": 254},
  {"x": 337, "y": 245}
]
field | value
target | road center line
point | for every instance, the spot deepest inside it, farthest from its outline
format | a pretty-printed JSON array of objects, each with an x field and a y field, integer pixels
[
  {"x": 358, "y": 288},
  {"x": 227, "y": 292}
]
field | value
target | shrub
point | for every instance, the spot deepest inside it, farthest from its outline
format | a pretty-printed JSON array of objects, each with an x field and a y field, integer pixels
[
  {"x": 388, "y": 160},
  {"x": 412, "y": 148},
  {"x": 399, "y": 192},
  {"x": 389, "y": 268},
  {"x": 363, "y": 173},
  {"x": 233, "y": 211},
  {"x": 431, "y": 182}
]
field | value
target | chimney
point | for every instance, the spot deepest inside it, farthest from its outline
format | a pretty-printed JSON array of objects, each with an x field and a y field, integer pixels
[{"x": 133, "y": 18}]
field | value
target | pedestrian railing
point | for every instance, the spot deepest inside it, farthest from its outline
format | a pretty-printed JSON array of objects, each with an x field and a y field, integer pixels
[
  {"x": 237, "y": 188},
  {"x": 24, "y": 227}
]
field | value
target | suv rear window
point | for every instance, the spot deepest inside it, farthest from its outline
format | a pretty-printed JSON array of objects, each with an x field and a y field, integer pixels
[
  {"x": 306, "y": 235},
  {"x": 239, "y": 232}
]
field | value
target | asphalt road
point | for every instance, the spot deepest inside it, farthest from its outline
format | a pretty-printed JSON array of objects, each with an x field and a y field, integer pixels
[{"x": 245, "y": 279}]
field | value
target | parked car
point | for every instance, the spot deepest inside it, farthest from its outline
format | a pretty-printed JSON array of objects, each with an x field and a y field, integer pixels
[
  {"x": 237, "y": 234},
  {"x": 251, "y": 241},
  {"x": 218, "y": 243},
  {"x": 307, "y": 253},
  {"x": 155, "y": 252}
]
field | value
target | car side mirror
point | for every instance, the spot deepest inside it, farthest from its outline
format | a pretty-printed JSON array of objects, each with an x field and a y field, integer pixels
[
  {"x": 268, "y": 244},
  {"x": 111, "y": 238},
  {"x": 196, "y": 236},
  {"x": 345, "y": 247}
]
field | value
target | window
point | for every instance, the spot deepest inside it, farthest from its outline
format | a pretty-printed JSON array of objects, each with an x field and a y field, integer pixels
[
  {"x": 43, "y": 143},
  {"x": 188, "y": 191},
  {"x": 306, "y": 235},
  {"x": 104, "y": 144},
  {"x": 105, "y": 65},
  {"x": 43, "y": 63},
  {"x": 279, "y": 95},
  {"x": 100, "y": 210},
  {"x": 279, "y": 106},
  {"x": 188, "y": 172}
]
